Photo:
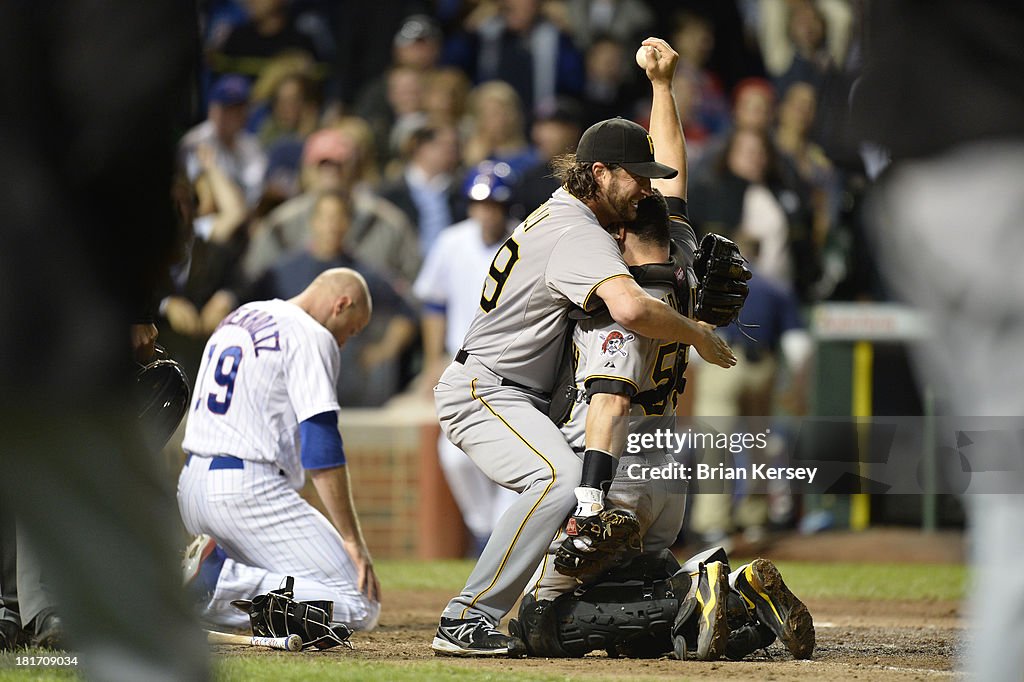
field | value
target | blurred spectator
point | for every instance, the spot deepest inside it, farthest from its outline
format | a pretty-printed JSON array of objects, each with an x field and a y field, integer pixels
[
  {"x": 807, "y": 35},
  {"x": 628, "y": 22},
  {"x": 202, "y": 279},
  {"x": 265, "y": 85},
  {"x": 753, "y": 105},
  {"x": 294, "y": 109},
  {"x": 365, "y": 34},
  {"x": 406, "y": 99},
  {"x": 367, "y": 173},
  {"x": 792, "y": 138},
  {"x": 380, "y": 235},
  {"x": 777, "y": 334},
  {"x": 238, "y": 152},
  {"x": 736, "y": 54},
  {"x": 788, "y": 27},
  {"x": 520, "y": 46},
  {"x": 607, "y": 91},
  {"x": 553, "y": 133},
  {"x": 497, "y": 127},
  {"x": 415, "y": 51},
  {"x": 748, "y": 194},
  {"x": 426, "y": 191},
  {"x": 269, "y": 32},
  {"x": 371, "y": 375},
  {"x": 451, "y": 297},
  {"x": 753, "y": 109},
  {"x": 446, "y": 96},
  {"x": 694, "y": 39},
  {"x": 281, "y": 182},
  {"x": 688, "y": 97},
  {"x": 291, "y": 113}
]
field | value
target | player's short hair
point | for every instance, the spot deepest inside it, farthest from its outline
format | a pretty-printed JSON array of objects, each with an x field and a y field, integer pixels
[
  {"x": 651, "y": 225},
  {"x": 577, "y": 177}
]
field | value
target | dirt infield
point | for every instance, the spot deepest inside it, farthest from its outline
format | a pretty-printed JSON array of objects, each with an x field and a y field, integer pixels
[
  {"x": 862, "y": 640},
  {"x": 855, "y": 640}
]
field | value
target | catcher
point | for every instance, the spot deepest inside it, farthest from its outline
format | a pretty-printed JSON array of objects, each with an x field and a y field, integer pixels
[{"x": 652, "y": 606}]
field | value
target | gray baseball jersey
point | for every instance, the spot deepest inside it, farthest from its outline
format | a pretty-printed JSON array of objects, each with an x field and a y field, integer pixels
[
  {"x": 611, "y": 359},
  {"x": 554, "y": 260}
]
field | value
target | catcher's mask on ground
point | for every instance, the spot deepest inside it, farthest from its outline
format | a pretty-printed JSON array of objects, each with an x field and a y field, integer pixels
[
  {"x": 162, "y": 396},
  {"x": 277, "y": 614}
]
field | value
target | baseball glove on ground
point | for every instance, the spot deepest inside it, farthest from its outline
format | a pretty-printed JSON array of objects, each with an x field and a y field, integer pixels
[
  {"x": 598, "y": 543},
  {"x": 722, "y": 276},
  {"x": 277, "y": 614}
]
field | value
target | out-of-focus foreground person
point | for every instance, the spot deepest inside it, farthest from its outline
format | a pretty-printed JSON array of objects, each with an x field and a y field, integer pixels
[
  {"x": 88, "y": 226},
  {"x": 945, "y": 99}
]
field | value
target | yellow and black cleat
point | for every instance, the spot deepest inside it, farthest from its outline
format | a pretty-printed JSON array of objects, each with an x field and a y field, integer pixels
[
  {"x": 712, "y": 624},
  {"x": 762, "y": 588}
]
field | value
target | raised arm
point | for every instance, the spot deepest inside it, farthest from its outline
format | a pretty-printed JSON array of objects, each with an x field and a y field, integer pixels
[
  {"x": 231, "y": 209},
  {"x": 666, "y": 128}
]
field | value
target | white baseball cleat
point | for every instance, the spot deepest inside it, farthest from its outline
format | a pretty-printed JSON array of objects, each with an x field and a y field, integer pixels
[{"x": 198, "y": 551}]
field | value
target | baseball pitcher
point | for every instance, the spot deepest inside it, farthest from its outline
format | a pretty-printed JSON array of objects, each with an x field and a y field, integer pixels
[{"x": 492, "y": 401}]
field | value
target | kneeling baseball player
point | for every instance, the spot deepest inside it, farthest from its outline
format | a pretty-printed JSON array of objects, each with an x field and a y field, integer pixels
[
  {"x": 267, "y": 382},
  {"x": 635, "y": 599}
]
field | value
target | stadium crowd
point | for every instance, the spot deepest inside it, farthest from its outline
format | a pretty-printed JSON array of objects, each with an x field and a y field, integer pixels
[{"x": 343, "y": 134}]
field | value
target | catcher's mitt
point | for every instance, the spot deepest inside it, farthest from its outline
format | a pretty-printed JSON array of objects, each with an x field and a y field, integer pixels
[
  {"x": 722, "y": 276},
  {"x": 598, "y": 543},
  {"x": 277, "y": 614}
]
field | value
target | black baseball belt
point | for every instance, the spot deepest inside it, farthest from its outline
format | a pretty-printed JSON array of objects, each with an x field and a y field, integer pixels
[{"x": 462, "y": 356}]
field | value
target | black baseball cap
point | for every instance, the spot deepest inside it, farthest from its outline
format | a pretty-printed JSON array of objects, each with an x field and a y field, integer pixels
[{"x": 623, "y": 143}]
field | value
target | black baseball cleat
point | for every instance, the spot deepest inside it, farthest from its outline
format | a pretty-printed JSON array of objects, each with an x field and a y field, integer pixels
[
  {"x": 49, "y": 631},
  {"x": 11, "y": 635},
  {"x": 762, "y": 587},
  {"x": 712, "y": 623},
  {"x": 469, "y": 637}
]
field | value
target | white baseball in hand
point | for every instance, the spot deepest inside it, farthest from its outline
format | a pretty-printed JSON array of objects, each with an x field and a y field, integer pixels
[{"x": 645, "y": 53}]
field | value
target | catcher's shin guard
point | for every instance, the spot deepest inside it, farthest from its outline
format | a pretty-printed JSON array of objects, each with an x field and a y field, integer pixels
[
  {"x": 631, "y": 618},
  {"x": 762, "y": 587},
  {"x": 637, "y": 628}
]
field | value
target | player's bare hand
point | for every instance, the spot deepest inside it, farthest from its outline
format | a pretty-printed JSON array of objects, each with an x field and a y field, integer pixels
[
  {"x": 216, "y": 309},
  {"x": 367, "y": 581},
  {"x": 663, "y": 68},
  {"x": 183, "y": 316},
  {"x": 143, "y": 339},
  {"x": 713, "y": 348}
]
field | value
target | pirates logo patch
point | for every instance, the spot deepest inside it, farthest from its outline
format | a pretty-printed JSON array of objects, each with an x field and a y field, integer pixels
[{"x": 614, "y": 343}]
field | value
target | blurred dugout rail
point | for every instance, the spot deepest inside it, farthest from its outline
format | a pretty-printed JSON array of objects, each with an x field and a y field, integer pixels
[{"x": 862, "y": 370}]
